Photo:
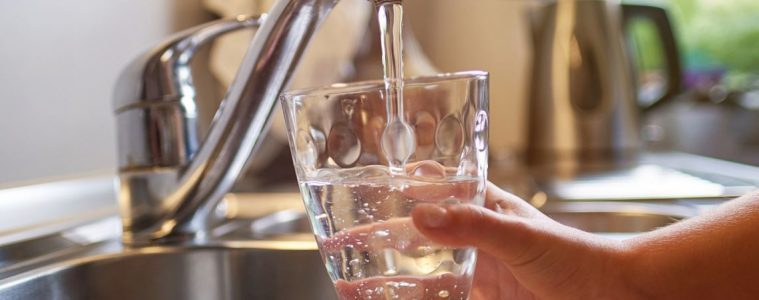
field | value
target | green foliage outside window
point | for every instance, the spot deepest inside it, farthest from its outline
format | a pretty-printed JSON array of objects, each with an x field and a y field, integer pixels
[{"x": 714, "y": 35}]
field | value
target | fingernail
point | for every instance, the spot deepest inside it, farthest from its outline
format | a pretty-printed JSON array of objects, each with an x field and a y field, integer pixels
[{"x": 432, "y": 216}]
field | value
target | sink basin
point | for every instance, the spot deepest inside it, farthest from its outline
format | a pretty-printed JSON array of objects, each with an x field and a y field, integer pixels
[
  {"x": 617, "y": 217},
  {"x": 275, "y": 271},
  {"x": 591, "y": 216},
  {"x": 261, "y": 253}
]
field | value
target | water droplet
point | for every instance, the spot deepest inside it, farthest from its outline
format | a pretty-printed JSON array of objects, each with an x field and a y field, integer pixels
[
  {"x": 403, "y": 244},
  {"x": 382, "y": 233},
  {"x": 391, "y": 289},
  {"x": 404, "y": 289},
  {"x": 443, "y": 294}
]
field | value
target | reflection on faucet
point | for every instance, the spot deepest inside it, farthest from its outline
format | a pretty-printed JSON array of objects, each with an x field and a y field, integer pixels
[{"x": 169, "y": 180}]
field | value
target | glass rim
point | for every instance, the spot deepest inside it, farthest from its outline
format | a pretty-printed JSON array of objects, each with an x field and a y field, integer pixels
[{"x": 353, "y": 87}]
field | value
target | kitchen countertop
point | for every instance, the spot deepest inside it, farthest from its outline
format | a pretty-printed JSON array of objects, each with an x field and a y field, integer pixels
[
  {"x": 37, "y": 210},
  {"x": 73, "y": 224},
  {"x": 44, "y": 208}
]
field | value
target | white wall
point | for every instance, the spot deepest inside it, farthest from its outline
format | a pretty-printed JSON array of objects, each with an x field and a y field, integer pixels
[
  {"x": 59, "y": 60},
  {"x": 490, "y": 35}
]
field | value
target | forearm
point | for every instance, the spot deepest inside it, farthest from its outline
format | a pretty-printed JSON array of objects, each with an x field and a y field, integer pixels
[{"x": 711, "y": 256}]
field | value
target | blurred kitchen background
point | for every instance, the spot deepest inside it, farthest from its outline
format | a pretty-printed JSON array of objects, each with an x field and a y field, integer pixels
[
  {"x": 645, "y": 163},
  {"x": 59, "y": 61}
]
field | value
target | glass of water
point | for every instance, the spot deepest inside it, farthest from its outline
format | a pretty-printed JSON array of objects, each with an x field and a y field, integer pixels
[{"x": 359, "y": 206}]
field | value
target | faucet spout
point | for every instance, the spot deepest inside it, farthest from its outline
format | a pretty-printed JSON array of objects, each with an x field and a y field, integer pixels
[{"x": 169, "y": 180}]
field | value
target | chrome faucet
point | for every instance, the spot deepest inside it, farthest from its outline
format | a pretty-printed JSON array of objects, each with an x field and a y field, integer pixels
[{"x": 170, "y": 180}]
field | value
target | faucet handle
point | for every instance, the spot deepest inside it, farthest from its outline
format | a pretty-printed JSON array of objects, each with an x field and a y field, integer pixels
[
  {"x": 160, "y": 74},
  {"x": 162, "y": 77},
  {"x": 156, "y": 116}
]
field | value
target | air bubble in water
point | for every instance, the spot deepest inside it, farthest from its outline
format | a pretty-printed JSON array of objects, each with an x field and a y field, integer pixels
[{"x": 356, "y": 268}]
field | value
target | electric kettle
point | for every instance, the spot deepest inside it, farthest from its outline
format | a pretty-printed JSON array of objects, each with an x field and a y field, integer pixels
[{"x": 584, "y": 103}]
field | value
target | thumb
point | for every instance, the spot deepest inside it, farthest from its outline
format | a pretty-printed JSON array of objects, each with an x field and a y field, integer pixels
[{"x": 512, "y": 239}]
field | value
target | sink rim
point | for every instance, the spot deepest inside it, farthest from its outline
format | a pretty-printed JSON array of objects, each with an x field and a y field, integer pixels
[
  {"x": 681, "y": 211},
  {"x": 113, "y": 249}
]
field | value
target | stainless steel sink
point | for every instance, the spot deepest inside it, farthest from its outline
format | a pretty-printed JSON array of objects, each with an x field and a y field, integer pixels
[
  {"x": 592, "y": 216},
  {"x": 265, "y": 251},
  {"x": 262, "y": 251},
  {"x": 617, "y": 217},
  {"x": 266, "y": 270}
]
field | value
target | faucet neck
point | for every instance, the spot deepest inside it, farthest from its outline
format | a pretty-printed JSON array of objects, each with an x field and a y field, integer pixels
[{"x": 169, "y": 181}]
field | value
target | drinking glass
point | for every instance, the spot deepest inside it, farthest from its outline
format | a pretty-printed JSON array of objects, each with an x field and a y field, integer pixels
[{"x": 359, "y": 207}]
